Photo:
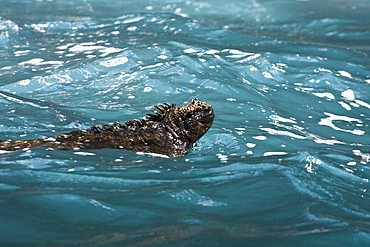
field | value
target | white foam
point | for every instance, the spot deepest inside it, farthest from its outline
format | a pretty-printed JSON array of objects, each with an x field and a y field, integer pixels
[
  {"x": 283, "y": 133},
  {"x": 261, "y": 138},
  {"x": 274, "y": 153},
  {"x": 281, "y": 119},
  {"x": 153, "y": 154},
  {"x": 345, "y": 74},
  {"x": 324, "y": 95},
  {"x": 84, "y": 153},
  {"x": 348, "y": 94},
  {"x": 332, "y": 117},
  {"x": 250, "y": 145},
  {"x": 190, "y": 50},
  {"x": 114, "y": 62}
]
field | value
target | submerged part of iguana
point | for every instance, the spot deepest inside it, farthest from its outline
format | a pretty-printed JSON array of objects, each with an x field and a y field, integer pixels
[{"x": 170, "y": 131}]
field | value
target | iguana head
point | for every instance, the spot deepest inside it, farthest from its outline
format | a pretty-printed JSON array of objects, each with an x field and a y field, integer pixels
[
  {"x": 189, "y": 122},
  {"x": 198, "y": 118}
]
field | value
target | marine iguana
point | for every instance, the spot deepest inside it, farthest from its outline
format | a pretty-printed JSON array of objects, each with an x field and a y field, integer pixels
[{"x": 170, "y": 131}]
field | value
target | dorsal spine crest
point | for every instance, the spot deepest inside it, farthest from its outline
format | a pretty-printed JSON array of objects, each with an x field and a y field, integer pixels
[{"x": 161, "y": 113}]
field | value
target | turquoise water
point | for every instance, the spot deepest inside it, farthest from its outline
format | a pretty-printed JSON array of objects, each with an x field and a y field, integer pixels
[{"x": 286, "y": 162}]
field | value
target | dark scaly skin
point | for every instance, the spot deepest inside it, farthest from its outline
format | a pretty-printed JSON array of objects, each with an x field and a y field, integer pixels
[{"x": 170, "y": 131}]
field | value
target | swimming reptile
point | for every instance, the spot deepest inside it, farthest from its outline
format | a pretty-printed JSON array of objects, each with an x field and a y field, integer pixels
[{"x": 170, "y": 131}]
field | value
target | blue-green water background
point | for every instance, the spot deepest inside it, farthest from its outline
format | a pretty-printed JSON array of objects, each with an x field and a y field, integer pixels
[{"x": 286, "y": 162}]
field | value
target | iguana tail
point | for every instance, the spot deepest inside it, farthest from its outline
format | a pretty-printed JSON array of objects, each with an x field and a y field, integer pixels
[{"x": 20, "y": 144}]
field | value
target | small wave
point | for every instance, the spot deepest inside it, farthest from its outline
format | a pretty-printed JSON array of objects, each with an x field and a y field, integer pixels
[
  {"x": 8, "y": 32},
  {"x": 193, "y": 197}
]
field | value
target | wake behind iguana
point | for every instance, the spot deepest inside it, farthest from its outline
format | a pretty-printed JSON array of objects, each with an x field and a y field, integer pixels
[{"x": 170, "y": 131}]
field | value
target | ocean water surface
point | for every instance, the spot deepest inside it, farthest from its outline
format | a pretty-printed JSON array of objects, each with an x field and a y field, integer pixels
[{"x": 286, "y": 162}]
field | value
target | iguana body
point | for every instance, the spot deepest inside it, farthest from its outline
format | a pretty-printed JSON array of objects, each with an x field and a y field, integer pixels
[{"x": 171, "y": 131}]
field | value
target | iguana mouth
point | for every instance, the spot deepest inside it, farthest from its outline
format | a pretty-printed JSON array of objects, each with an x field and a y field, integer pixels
[{"x": 208, "y": 116}]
